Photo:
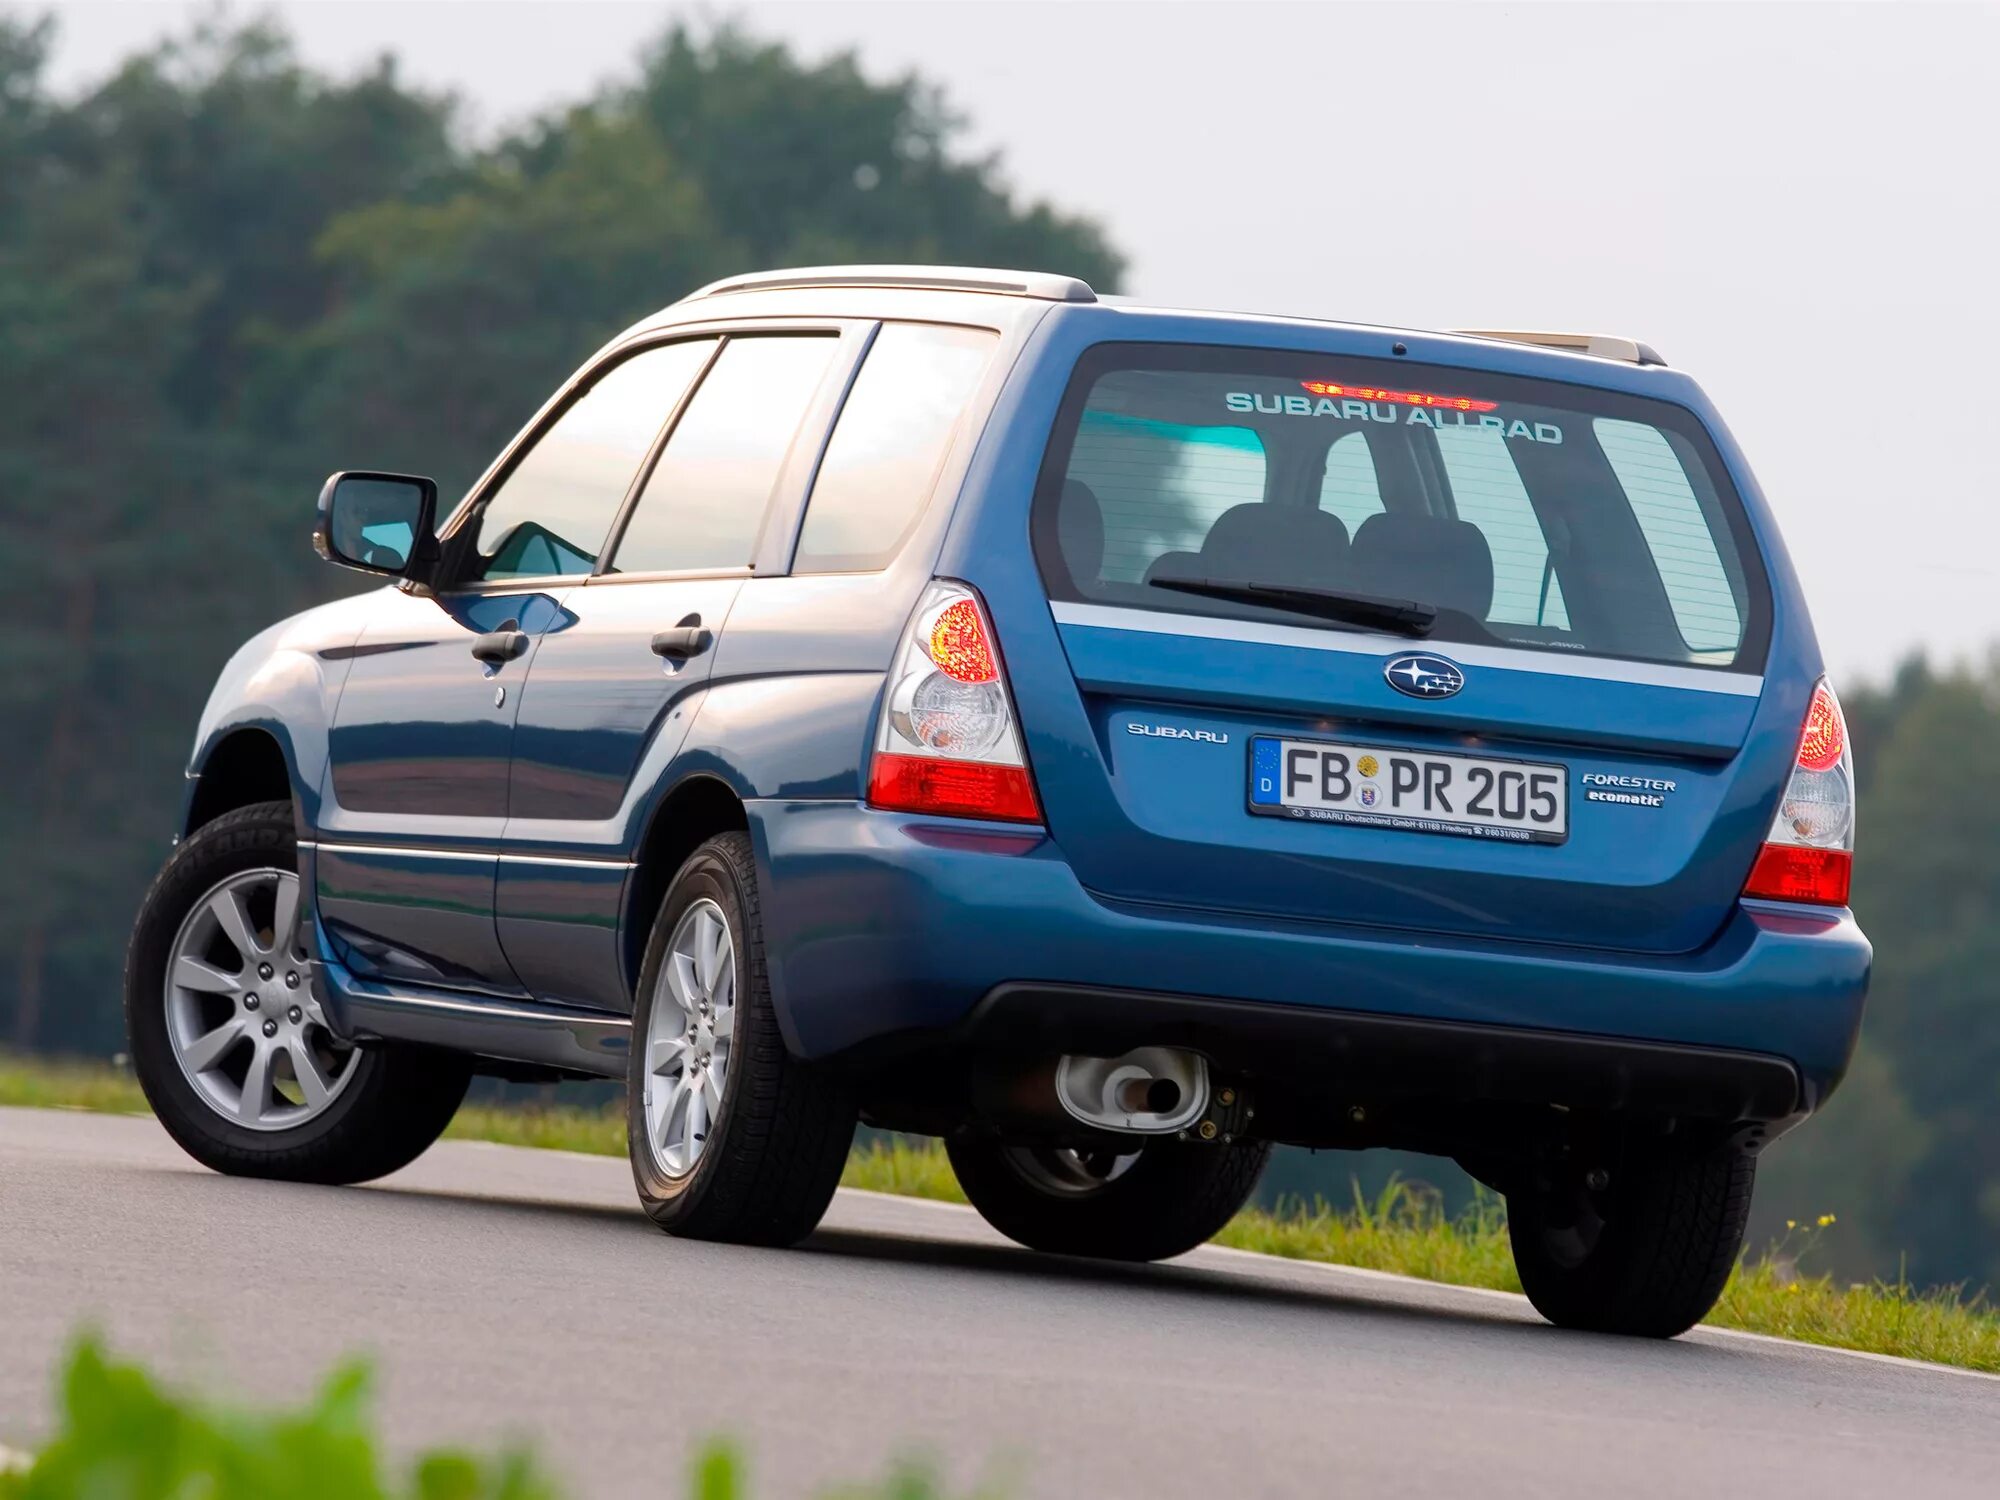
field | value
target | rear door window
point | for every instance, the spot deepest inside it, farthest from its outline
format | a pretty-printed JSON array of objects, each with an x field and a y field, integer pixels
[
  {"x": 702, "y": 508},
  {"x": 1525, "y": 512},
  {"x": 888, "y": 445}
]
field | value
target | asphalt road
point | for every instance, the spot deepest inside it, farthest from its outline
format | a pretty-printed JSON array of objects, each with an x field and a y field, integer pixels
[{"x": 508, "y": 1291}]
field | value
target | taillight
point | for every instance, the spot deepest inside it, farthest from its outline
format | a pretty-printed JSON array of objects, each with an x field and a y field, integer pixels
[
  {"x": 1809, "y": 853},
  {"x": 947, "y": 742}
]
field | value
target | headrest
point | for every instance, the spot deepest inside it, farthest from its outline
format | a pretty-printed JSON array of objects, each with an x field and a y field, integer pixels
[
  {"x": 1080, "y": 531},
  {"x": 1282, "y": 544},
  {"x": 1426, "y": 558}
]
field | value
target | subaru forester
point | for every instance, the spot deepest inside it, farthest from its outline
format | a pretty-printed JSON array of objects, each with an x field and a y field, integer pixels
[{"x": 1110, "y": 738}]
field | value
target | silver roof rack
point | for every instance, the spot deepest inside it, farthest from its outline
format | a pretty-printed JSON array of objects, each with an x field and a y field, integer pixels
[
  {"x": 1603, "y": 345},
  {"x": 1038, "y": 284}
]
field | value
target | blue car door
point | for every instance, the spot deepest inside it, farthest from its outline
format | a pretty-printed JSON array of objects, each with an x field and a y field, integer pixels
[
  {"x": 416, "y": 795},
  {"x": 611, "y": 696}
]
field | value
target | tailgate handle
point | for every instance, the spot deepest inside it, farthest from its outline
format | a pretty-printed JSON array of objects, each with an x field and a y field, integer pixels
[{"x": 686, "y": 639}]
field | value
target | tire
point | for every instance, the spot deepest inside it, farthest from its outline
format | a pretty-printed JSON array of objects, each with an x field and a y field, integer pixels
[
  {"x": 751, "y": 1159},
  {"x": 1648, "y": 1255},
  {"x": 1168, "y": 1198},
  {"x": 382, "y": 1106}
]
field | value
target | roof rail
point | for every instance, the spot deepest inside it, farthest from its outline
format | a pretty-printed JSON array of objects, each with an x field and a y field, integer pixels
[
  {"x": 1042, "y": 285},
  {"x": 1603, "y": 345}
]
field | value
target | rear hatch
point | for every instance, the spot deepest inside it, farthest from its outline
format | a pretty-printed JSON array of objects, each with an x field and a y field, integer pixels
[{"x": 1504, "y": 684}]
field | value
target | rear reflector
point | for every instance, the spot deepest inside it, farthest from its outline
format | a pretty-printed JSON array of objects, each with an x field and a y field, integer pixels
[
  {"x": 1795, "y": 872},
  {"x": 956, "y": 788}
]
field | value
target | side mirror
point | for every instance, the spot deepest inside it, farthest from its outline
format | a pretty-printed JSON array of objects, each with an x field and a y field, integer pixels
[{"x": 379, "y": 523}]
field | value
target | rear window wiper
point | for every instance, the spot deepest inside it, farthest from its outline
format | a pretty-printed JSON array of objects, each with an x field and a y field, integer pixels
[{"x": 1404, "y": 615}]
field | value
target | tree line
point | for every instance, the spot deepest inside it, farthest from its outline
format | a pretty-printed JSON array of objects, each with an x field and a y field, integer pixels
[{"x": 224, "y": 274}]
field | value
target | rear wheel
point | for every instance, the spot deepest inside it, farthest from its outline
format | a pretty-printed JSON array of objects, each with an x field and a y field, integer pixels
[
  {"x": 731, "y": 1137},
  {"x": 1160, "y": 1199},
  {"x": 230, "y": 1045},
  {"x": 1644, "y": 1249}
]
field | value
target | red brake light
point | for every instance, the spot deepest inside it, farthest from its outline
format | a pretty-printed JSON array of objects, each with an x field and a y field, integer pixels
[
  {"x": 1794, "y": 872},
  {"x": 955, "y": 788},
  {"x": 1825, "y": 737},
  {"x": 1809, "y": 853},
  {"x": 1406, "y": 398},
  {"x": 959, "y": 647}
]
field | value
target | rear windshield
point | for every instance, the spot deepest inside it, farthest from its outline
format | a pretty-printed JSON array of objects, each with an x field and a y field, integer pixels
[{"x": 1523, "y": 512}]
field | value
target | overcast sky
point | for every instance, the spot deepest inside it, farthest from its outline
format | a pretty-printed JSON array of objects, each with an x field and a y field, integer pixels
[{"x": 1797, "y": 204}]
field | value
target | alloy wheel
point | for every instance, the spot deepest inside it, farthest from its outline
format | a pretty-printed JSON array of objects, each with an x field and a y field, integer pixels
[
  {"x": 241, "y": 1017},
  {"x": 688, "y": 1038}
]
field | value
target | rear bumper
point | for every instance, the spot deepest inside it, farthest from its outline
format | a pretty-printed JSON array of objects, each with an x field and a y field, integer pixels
[
  {"x": 1391, "y": 1057},
  {"x": 883, "y": 929}
]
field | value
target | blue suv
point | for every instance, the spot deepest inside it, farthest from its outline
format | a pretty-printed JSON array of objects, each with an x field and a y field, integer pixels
[{"x": 1113, "y": 739}]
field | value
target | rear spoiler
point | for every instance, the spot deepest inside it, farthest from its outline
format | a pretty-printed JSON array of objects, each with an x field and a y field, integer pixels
[{"x": 1602, "y": 345}]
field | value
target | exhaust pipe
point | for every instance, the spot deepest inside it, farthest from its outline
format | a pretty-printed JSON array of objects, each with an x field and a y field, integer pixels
[{"x": 1149, "y": 1091}]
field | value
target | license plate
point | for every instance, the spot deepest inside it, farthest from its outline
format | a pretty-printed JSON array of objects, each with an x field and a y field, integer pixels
[{"x": 1412, "y": 790}]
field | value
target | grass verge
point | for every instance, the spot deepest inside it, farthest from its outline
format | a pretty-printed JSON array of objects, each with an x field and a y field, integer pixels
[{"x": 1404, "y": 1230}]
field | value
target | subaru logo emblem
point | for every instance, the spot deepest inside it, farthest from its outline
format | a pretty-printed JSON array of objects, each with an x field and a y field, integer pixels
[{"x": 1423, "y": 676}]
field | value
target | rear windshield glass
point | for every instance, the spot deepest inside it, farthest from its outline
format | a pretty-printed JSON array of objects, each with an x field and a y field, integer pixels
[{"x": 1522, "y": 512}]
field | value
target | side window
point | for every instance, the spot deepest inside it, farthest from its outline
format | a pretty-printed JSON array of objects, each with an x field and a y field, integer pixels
[
  {"x": 1349, "y": 489},
  {"x": 1676, "y": 532},
  {"x": 887, "y": 445},
  {"x": 1160, "y": 485},
  {"x": 704, "y": 503},
  {"x": 1487, "y": 489},
  {"x": 550, "y": 515}
]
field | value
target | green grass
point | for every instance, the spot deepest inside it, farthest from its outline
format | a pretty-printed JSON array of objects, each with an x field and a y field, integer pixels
[
  {"x": 55, "y": 1083},
  {"x": 1939, "y": 1324},
  {"x": 1404, "y": 1230},
  {"x": 598, "y": 1132},
  {"x": 909, "y": 1169}
]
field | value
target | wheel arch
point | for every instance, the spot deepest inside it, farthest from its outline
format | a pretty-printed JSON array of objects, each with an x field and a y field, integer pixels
[
  {"x": 698, "y": 808},
  {"x": 246, "y": 764}
]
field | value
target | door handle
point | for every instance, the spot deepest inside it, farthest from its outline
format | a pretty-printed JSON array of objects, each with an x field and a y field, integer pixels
[
  {"x": 498, "y": 647},
  {"x": 686, "y": 639}
]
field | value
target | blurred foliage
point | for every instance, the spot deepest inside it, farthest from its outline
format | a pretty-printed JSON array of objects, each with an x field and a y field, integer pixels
[
  {"x": 124, "y": 1436},
  {"x": 223, "y": 275}
]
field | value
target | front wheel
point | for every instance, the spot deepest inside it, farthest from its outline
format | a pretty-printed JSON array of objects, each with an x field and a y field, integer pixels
[
  {"x": 1157, "y": 1200},
  {"x": 1644, "y": 1248},
  {"x": 231, "y": 1048}
]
